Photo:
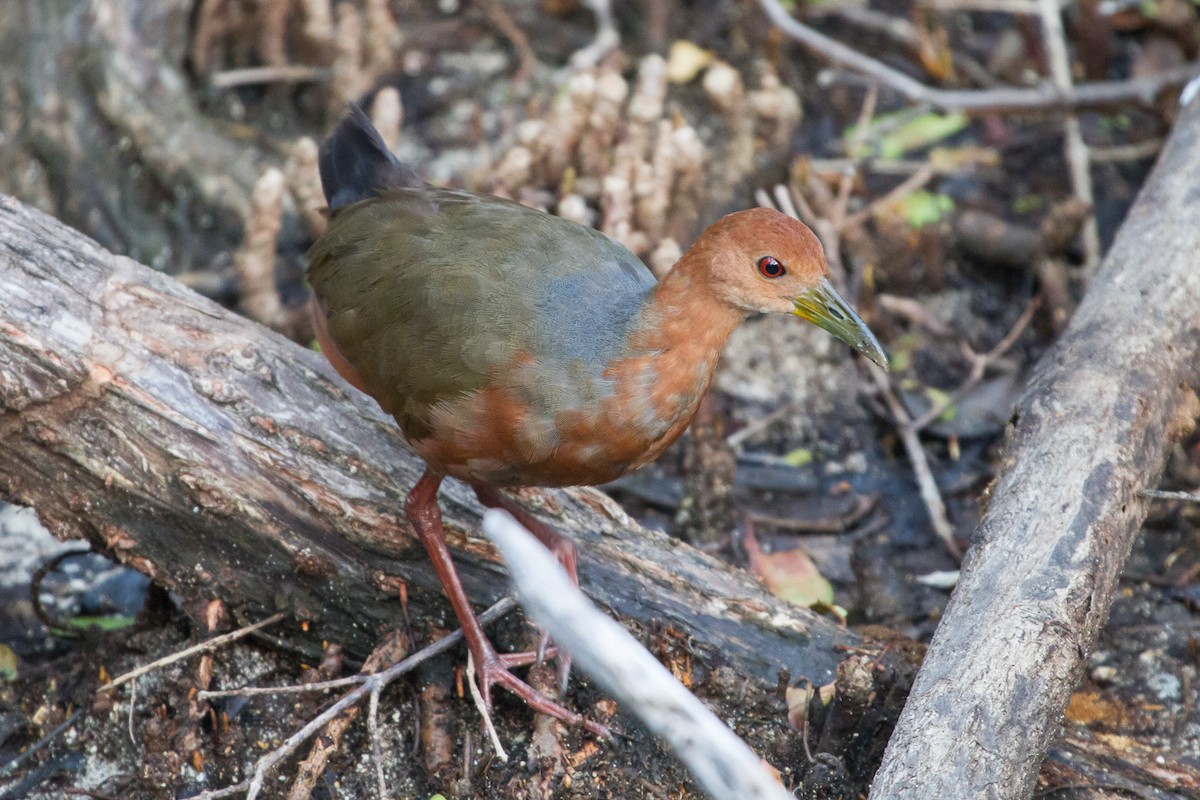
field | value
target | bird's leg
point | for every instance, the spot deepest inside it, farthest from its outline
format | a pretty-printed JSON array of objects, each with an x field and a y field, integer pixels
[
  {"x": 421, "y": 508},
  {"x": 560, "y": 545}
]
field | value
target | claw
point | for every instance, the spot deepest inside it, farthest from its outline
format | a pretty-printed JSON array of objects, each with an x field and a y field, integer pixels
[{"x": 492, "y": 669}]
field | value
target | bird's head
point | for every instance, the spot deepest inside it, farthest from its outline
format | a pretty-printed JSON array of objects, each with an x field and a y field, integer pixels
[{"x": 760, "y": 260}]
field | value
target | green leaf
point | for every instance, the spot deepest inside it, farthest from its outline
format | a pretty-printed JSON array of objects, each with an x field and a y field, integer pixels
[
  {"x": 800, "y": 457},
  {"x": 1027, "y": 203},
  {"x": 923, "y": 207},
  {"x": 900, "y": 133},
  {"x": 936, "y": 398},
  {"x": 9, "y": 664},
  {"x": 112, "y": 622},
  {"x": 901, "y": 352}
]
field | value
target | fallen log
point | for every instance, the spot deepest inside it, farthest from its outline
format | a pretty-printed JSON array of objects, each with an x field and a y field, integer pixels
[
  {"x": 226, "y": 461},
  {"x": 1093, "y": 428}
]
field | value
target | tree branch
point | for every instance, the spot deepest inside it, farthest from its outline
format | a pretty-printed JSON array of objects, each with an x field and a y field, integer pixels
[
  {"x": 1046, "y": 97},
  {"x": 1093, "y": 428}
]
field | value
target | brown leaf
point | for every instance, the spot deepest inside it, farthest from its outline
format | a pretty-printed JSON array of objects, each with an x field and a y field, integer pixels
[{"x": 790, "y": 574}]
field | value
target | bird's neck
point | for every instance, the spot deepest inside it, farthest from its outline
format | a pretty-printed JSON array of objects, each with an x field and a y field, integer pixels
[
  {"x": 679, "y": 335},
  {"x": 669, "y": 362},
  {"x": 684, "y": 319}
]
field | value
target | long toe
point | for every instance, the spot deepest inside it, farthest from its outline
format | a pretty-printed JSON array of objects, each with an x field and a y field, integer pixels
[
  {"x": 563, "y": 660},
  {"x": 497, "y": 673},
  {"x": 527, "y": 657},
  {"x": 564, "y": 669}
]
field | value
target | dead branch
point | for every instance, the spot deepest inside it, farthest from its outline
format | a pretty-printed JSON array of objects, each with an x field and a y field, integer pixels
[
  {"x": 202, "y": 647},
  {"x": 1046, "y": 97},
  {"x": 1075, "y": 149},
  {"x": 102, "y": 86},
  {"x": 281, "y": 73},
  {"x": 931, "y": 496},
  {"x": 1092, "y": 430},
  {"x": 720, "y": 761},
  {"x": 369, "y": 684}
]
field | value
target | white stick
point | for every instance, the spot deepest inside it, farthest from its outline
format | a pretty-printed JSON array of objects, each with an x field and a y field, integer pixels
[{"x": 716, "y": 757}]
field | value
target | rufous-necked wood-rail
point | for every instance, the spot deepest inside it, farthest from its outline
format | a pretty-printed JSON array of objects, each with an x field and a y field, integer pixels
[{"x": 516, "y": 348}]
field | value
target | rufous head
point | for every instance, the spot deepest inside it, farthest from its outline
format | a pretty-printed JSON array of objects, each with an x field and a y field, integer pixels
[{"x": 760, "y": 260}]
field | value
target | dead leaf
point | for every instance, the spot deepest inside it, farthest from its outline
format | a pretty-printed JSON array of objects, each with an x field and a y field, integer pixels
[{"x": 790, "y": 574}]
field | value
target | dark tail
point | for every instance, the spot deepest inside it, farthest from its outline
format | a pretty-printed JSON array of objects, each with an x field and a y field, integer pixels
[{"x": 356, "y": 164}]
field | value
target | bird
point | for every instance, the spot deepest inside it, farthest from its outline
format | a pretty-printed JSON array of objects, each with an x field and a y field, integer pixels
[{"x": 516, "y": 348}]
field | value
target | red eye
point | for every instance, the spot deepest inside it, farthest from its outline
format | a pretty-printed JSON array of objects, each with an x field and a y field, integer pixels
[{"x": 770, "y": 267}]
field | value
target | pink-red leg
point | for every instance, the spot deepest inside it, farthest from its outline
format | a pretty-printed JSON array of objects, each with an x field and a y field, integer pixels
[
  {"x": 555, "y": 542},
  {"x": 423, "y": 513},
  {"x": 562, "y": 547}
]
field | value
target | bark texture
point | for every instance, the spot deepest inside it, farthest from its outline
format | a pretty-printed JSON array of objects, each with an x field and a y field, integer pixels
[
  {"x": 1093, "y": 428},
  {"x": 100, "y": 129},
  {"x": 227, "y": 462}
]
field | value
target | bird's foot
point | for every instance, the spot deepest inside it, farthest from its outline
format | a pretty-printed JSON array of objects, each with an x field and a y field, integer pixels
[
  {"x": 494, "y": 670},
  {"x": 544, "y": 651},
  {"x": 526, "y": 657},
  {"x": 561, "y": 657},
  {"x": 564, "y": 550}
]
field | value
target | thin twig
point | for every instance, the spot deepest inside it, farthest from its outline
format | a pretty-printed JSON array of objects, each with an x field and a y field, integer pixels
[
  {"x": 979, "y": 364},
  {"x": 376, "y": 750},
  {"x": 909, "y": 185},
  {"x": 387, "y": 651},
  {"x": 898, "y": 166},
  {"x": 1160, "y": 494},
  {"x": 794, "y": 204},
  {"x": 1025, "y": 7},
  {"x": 930, "y": 495},
  {"x": 503, "y": 22},
  {"x": 839, "y": 524},
  {"x": 247, "y": 76},
  {"x": 35, "y": 591},
  {"x": 808, "y": 755},
  {"x": 300, "y": 688},
  {"x": 837, "y": 215},
  {"x": 1046, "y": 97},
  {"x": 735, "y": 440},
  {"x": 914, "y": 311},
  {"x": 132, "y": 706},
  {"x": 1076, "y": 150},
  {"x": 368, "y": 683},
  {"x": 899, "y": 30},
  {"x": 495, "y": 612},
  {"x": 483, "y": 710},
  {"x": 717, "y": 758},
  {"x": 1134, "y": 151},
  {"x": 208, "y": 644}
]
